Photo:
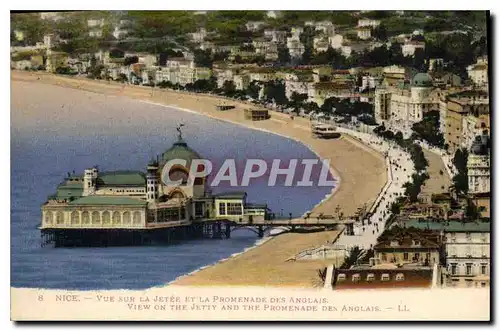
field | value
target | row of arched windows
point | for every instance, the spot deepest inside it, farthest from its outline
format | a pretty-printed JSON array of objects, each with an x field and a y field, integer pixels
[{"x": 95, "y": 217}]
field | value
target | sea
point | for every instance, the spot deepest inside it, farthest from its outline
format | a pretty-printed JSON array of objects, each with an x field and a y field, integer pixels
[{"x": 65, "y": 130}]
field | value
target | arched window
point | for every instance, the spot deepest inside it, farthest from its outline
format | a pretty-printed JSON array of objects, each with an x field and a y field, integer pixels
[
  {"x": 137, "y": 217},
  {"x": 85, "y": 217},
  {"x": 60, "y": 217},
  {"x": 96, "y": 217},
  {"x": 117, "y": 218},
  {"x": 75, "y": 217},
  {"x": 48, "y": 217},
  {"x": 126, "y": 218},
  {"x": 106, "y": 219}
]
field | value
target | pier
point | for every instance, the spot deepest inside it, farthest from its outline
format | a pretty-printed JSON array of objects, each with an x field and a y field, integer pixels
[{"x": 176, "y": 232}]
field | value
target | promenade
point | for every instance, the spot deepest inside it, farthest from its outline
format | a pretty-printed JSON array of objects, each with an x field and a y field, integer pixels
[{"x": 360, "y": 170}]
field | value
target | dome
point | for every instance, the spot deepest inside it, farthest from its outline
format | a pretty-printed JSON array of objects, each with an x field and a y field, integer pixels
[
  {"x": 422, "y": 80},
  {"x": 180, "y": 150}
]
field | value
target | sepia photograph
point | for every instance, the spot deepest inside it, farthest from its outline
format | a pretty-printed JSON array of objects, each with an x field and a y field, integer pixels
[{"x": 263, "y": 165}]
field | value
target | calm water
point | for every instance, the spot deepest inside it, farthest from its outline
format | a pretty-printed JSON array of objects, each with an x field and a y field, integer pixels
[{"x": 45, "y": 149}]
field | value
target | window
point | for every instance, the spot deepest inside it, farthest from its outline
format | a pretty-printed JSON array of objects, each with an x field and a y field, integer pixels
[
  {"x": 400, "y": 277},
  {"x": 483, "y": 269},
  {"x": 222, "y": 208},
  {"x": 385, "y": 277},
  {"x": 483, "y": 237},
  {"x": 234, "y": 208},
  {"x": 483, "y": 284},
  {"x": 468, "y": 236},
  {"x": 405, "y": 256},
  {"x": 340, "y": 277},
  {"x": 453, "y": 268},
  {"x": 356, "y": 278},
  {"x": 468, "y": 269},
  {"x": 198, "y": 208},
  {"x": 383, "y": 257},
  {"x": 416, "y": 256},
  {"x": 370, "y": 277},
  {"x": 453, "y": 237}
]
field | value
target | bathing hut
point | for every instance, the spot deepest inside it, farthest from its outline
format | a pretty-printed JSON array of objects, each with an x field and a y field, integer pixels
[
  {"x": 224, "y": 107},
  {"x": 325, "y": 131},
  {"x": 256, "y": 114}
]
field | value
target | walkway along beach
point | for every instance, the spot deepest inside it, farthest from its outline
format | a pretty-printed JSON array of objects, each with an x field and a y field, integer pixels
[{"x": 361, "y": 170}]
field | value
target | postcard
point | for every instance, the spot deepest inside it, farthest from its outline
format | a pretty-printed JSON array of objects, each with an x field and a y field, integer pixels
[{"x": 250, "y": 165}]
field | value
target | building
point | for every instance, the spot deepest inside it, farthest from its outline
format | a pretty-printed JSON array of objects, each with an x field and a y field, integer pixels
[
  {"x": 255, "y": 25},
  {"x": 466, "y": 251},
  {"x": 408, "y": 103},
  {"x": 54, "y": 16},
  {"x": 199, "y": 36},
  {"x": 365, "y": 22},
  {"x": 95, "y": 27},
  {"x": 385, "y": 276},
  {"x": 478, "y": 166},
  {"x": 320, "y": 44},
  {"x": 19, "y": 35},
  {"x": 21, "y": 65},
  {"x": 50, "y": 40},
  {"x": 459, "y": 106},
  {"x": 407, "y": 245},
  {"x": 364, "y": 33},
  {"x": 325, "y": 90},
  {"x": 436, "y": 64},
  {"x": 369, "y": 82},
  {"x": 241, "y": 82},
  {"x": 119, "y": 33},
  {"x": 276, "y": 36},
  {"x": 137, "y": 207},
  {"x": 254, "y": 114},
  {"x": 325, "y": 27},
  {"x": 468, "y": 254},
  {"x": 409, "y": 47},
  {"x": 478, "y": 73},
  {"x": 295, "y": 47},
  {"x": 336, "y": 41},
  {"x": 56, "y": 60}
]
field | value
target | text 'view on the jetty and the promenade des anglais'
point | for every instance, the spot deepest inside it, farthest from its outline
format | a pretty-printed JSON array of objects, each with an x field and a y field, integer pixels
[{"x": 264, "y": 165}]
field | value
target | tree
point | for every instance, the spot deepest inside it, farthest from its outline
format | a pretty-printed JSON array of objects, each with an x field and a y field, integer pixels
[
  {"x": 426, "y": 129},
  {"x": 460, "y": 180},
  {"x": 253, "y": 90},
  {"x": 115, "y": 53},
  {"x": 229, "y": 88},
  {"x": 203, "y": 58},
  {"x": 130, "y": 60},
  {"x": 283, "y": 54},
  {"x": 122, "y": 78},
  {"x": 352, "y": 258},
  {"x": 274, "y": 90},
  {"x": 380, "y": 32},
  {"x": 297, "y": 100}
]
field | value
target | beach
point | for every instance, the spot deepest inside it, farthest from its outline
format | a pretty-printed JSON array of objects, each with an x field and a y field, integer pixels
[{"x": 360, "y": 170}]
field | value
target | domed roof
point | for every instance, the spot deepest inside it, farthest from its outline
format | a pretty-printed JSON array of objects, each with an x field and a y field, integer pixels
[
  {"x": 422, "y": 80},
  {"x": 180, "y": 150}
]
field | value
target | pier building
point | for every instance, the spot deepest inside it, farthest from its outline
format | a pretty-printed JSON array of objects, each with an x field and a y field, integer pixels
[{"x": 138, "y": 207}]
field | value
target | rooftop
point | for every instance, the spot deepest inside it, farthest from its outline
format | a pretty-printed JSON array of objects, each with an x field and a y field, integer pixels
[
  {"x": 231, "y": 195},
  {"x": 452, "y": 226},
  {"x": 121, "y": 177},
  {"x": 107, "y": 200}
]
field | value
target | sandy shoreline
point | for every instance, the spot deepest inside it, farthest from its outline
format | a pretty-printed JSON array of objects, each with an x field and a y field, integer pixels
[{"x": 361, "y": 171}]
